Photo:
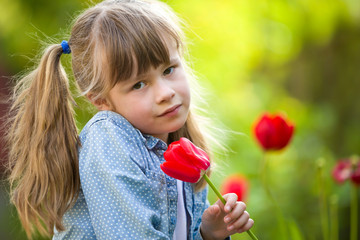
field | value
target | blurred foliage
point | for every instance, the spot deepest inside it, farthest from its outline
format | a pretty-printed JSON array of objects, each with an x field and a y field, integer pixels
[{"x": 300, "y": 57}]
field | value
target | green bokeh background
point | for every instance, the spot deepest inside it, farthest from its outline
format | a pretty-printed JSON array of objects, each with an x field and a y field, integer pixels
[{"x": 296, "y": 57}]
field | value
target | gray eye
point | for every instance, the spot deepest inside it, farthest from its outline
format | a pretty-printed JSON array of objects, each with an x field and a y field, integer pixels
[
  {"x": 139, "y": 85},
  {"x": 169, "y": 70}
]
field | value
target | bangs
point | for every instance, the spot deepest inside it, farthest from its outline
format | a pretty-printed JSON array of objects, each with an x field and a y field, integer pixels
[{"x": 133, "y": 43}]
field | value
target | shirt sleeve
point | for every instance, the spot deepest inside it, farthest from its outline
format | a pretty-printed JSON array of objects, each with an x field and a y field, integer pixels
[
  {"x": 201, "y": 204},
  {"x": 123, "y": 198}
]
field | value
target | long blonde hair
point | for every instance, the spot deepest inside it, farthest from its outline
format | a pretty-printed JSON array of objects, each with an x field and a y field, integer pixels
[{"x": 107, "y": 41}]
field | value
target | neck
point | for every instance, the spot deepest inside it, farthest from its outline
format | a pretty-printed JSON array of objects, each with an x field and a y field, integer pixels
[{"x": 164, "y": 137}]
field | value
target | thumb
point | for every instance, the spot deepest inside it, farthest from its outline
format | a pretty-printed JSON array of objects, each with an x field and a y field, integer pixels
[{"x": 212, "y": 212}]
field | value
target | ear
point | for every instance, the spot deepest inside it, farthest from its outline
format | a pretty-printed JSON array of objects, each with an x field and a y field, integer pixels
[{"x": 100, "y": 103}]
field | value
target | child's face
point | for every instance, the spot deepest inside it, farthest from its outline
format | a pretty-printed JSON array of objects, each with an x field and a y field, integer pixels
[{"x": 157, "y": 102}]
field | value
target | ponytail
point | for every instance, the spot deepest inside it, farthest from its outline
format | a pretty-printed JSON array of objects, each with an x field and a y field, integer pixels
[{"x": 43, "y": 140}]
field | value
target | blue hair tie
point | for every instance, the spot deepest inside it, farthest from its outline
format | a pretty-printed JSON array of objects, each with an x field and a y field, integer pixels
[{"x": 65, "y": 46}]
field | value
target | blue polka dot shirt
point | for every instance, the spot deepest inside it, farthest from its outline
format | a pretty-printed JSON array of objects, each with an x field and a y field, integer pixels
[{"x": 124, "y": 194}]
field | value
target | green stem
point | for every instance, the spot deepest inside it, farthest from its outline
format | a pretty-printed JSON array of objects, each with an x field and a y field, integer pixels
[
  {"x": 334, "y": 218},
  {"x": 280, "y": 215},
  {"x": 323, "y": 200},
  {"x": 354, "y": 213},
  {"x": 265, "y": 185},
  {"x": 207, "y": 179}
]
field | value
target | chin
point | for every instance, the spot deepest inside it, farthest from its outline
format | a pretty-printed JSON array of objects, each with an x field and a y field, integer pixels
[
  {"x": 173, "y": 128},
  {"x": 178, "y": 125}
]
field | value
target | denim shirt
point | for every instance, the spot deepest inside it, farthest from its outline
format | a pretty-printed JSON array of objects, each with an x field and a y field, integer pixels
[{"x": 124, "y": 194}]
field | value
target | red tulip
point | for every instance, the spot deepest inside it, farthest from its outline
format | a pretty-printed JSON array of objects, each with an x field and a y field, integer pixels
[
  {"x": 273, "y": 132},
  {"x": 355, "y": 177},
  {"x": 237, "y": 184},
  {"x": 185, "y": 161},
  {"x": 342, "y": 171},
  {"x": 347, "y": 169}
]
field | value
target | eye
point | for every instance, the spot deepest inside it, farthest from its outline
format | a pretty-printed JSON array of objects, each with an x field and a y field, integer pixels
[
  {"x": 169, "y": 70},
  {"x": 139, "y": 85}
]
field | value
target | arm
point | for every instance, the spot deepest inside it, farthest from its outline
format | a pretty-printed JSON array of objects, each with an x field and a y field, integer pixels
[{"x": 122, "y": 197}]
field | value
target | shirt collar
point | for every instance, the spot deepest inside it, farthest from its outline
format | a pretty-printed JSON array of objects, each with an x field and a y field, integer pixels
[{"x": 152, "y": 142}]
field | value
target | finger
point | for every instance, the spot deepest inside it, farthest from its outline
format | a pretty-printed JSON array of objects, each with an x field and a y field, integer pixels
[
  {"x": 219, "y": 203},
  {"x": 212, "y": 211},
  {"x": 239, "y": 222},
  {"x": 215, "y": 210},
  {"x": 246, "y": 227},
  {"x": 231, "y": 199},
  {"x": 237, "y": 211}
]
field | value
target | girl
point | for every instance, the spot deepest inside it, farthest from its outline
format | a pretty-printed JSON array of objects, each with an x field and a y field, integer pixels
[{"x": 127, "y": 59}]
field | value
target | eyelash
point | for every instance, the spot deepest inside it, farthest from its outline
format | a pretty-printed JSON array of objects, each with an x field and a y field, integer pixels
[
  {"x": 134, "y": 87},
  {"x": 165, "y": 74},
  {"x": 173, "y": 69}
]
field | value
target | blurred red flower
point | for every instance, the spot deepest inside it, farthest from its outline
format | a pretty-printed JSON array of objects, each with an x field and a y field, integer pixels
[
  {"x": 355, "y": 177},
  {"x": 185, "y": 161},
  {"x": 237, "y": 184},
  {"x": 342, "y": 171},
  {"x": 273, "y": 132},
  {"x": 346, "y": 169}
]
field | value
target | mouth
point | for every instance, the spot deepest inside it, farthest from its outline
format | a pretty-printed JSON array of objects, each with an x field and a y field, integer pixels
[{"x": 171, "y": 111}]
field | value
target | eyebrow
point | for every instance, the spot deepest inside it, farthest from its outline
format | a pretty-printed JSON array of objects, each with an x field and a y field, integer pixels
[
  {"x": 171, "y": 61},
  {"x": 174, "y": 59}
]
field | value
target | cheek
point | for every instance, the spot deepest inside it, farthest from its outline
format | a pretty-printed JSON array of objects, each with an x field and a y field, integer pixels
[
  {"x": 131, "y": 108},
  {"x": 183, "y": 89},
  {"x": 186, "y": 94},
  {"x": 138, "y": 108},
  {"x": 141, "y": 108}
]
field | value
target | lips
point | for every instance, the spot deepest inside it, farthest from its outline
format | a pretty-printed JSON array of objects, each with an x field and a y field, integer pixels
[{"x": 171, "y": 111}]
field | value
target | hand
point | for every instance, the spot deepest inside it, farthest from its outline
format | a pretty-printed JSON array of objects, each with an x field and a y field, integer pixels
[{"x": 219, "y": 221}]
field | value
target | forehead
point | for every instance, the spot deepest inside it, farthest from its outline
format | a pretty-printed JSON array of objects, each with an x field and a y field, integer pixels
[{"x": 170, "y": 56}]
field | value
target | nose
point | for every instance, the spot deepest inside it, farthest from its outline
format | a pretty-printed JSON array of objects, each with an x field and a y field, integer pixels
[{"x": 164, "y": 91}]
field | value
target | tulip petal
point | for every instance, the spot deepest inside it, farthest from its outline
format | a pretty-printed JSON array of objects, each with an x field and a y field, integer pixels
[
  {"x": 355, "y": 177},
  {"x": 342, "y": 171},
  {"x": 173, "y": 146},
  {"x": 263, "y": 132},
  {"x": 283, "y": 132},
  {"x": 177, "y": 154},
  {"x": 182, "y": 172},
  {"x": 198, "y": 156}
]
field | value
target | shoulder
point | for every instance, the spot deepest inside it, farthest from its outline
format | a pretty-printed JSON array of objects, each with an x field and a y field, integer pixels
[
  {"x": 108, "y": 140},
  {"x": 105, "y": 124}
]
